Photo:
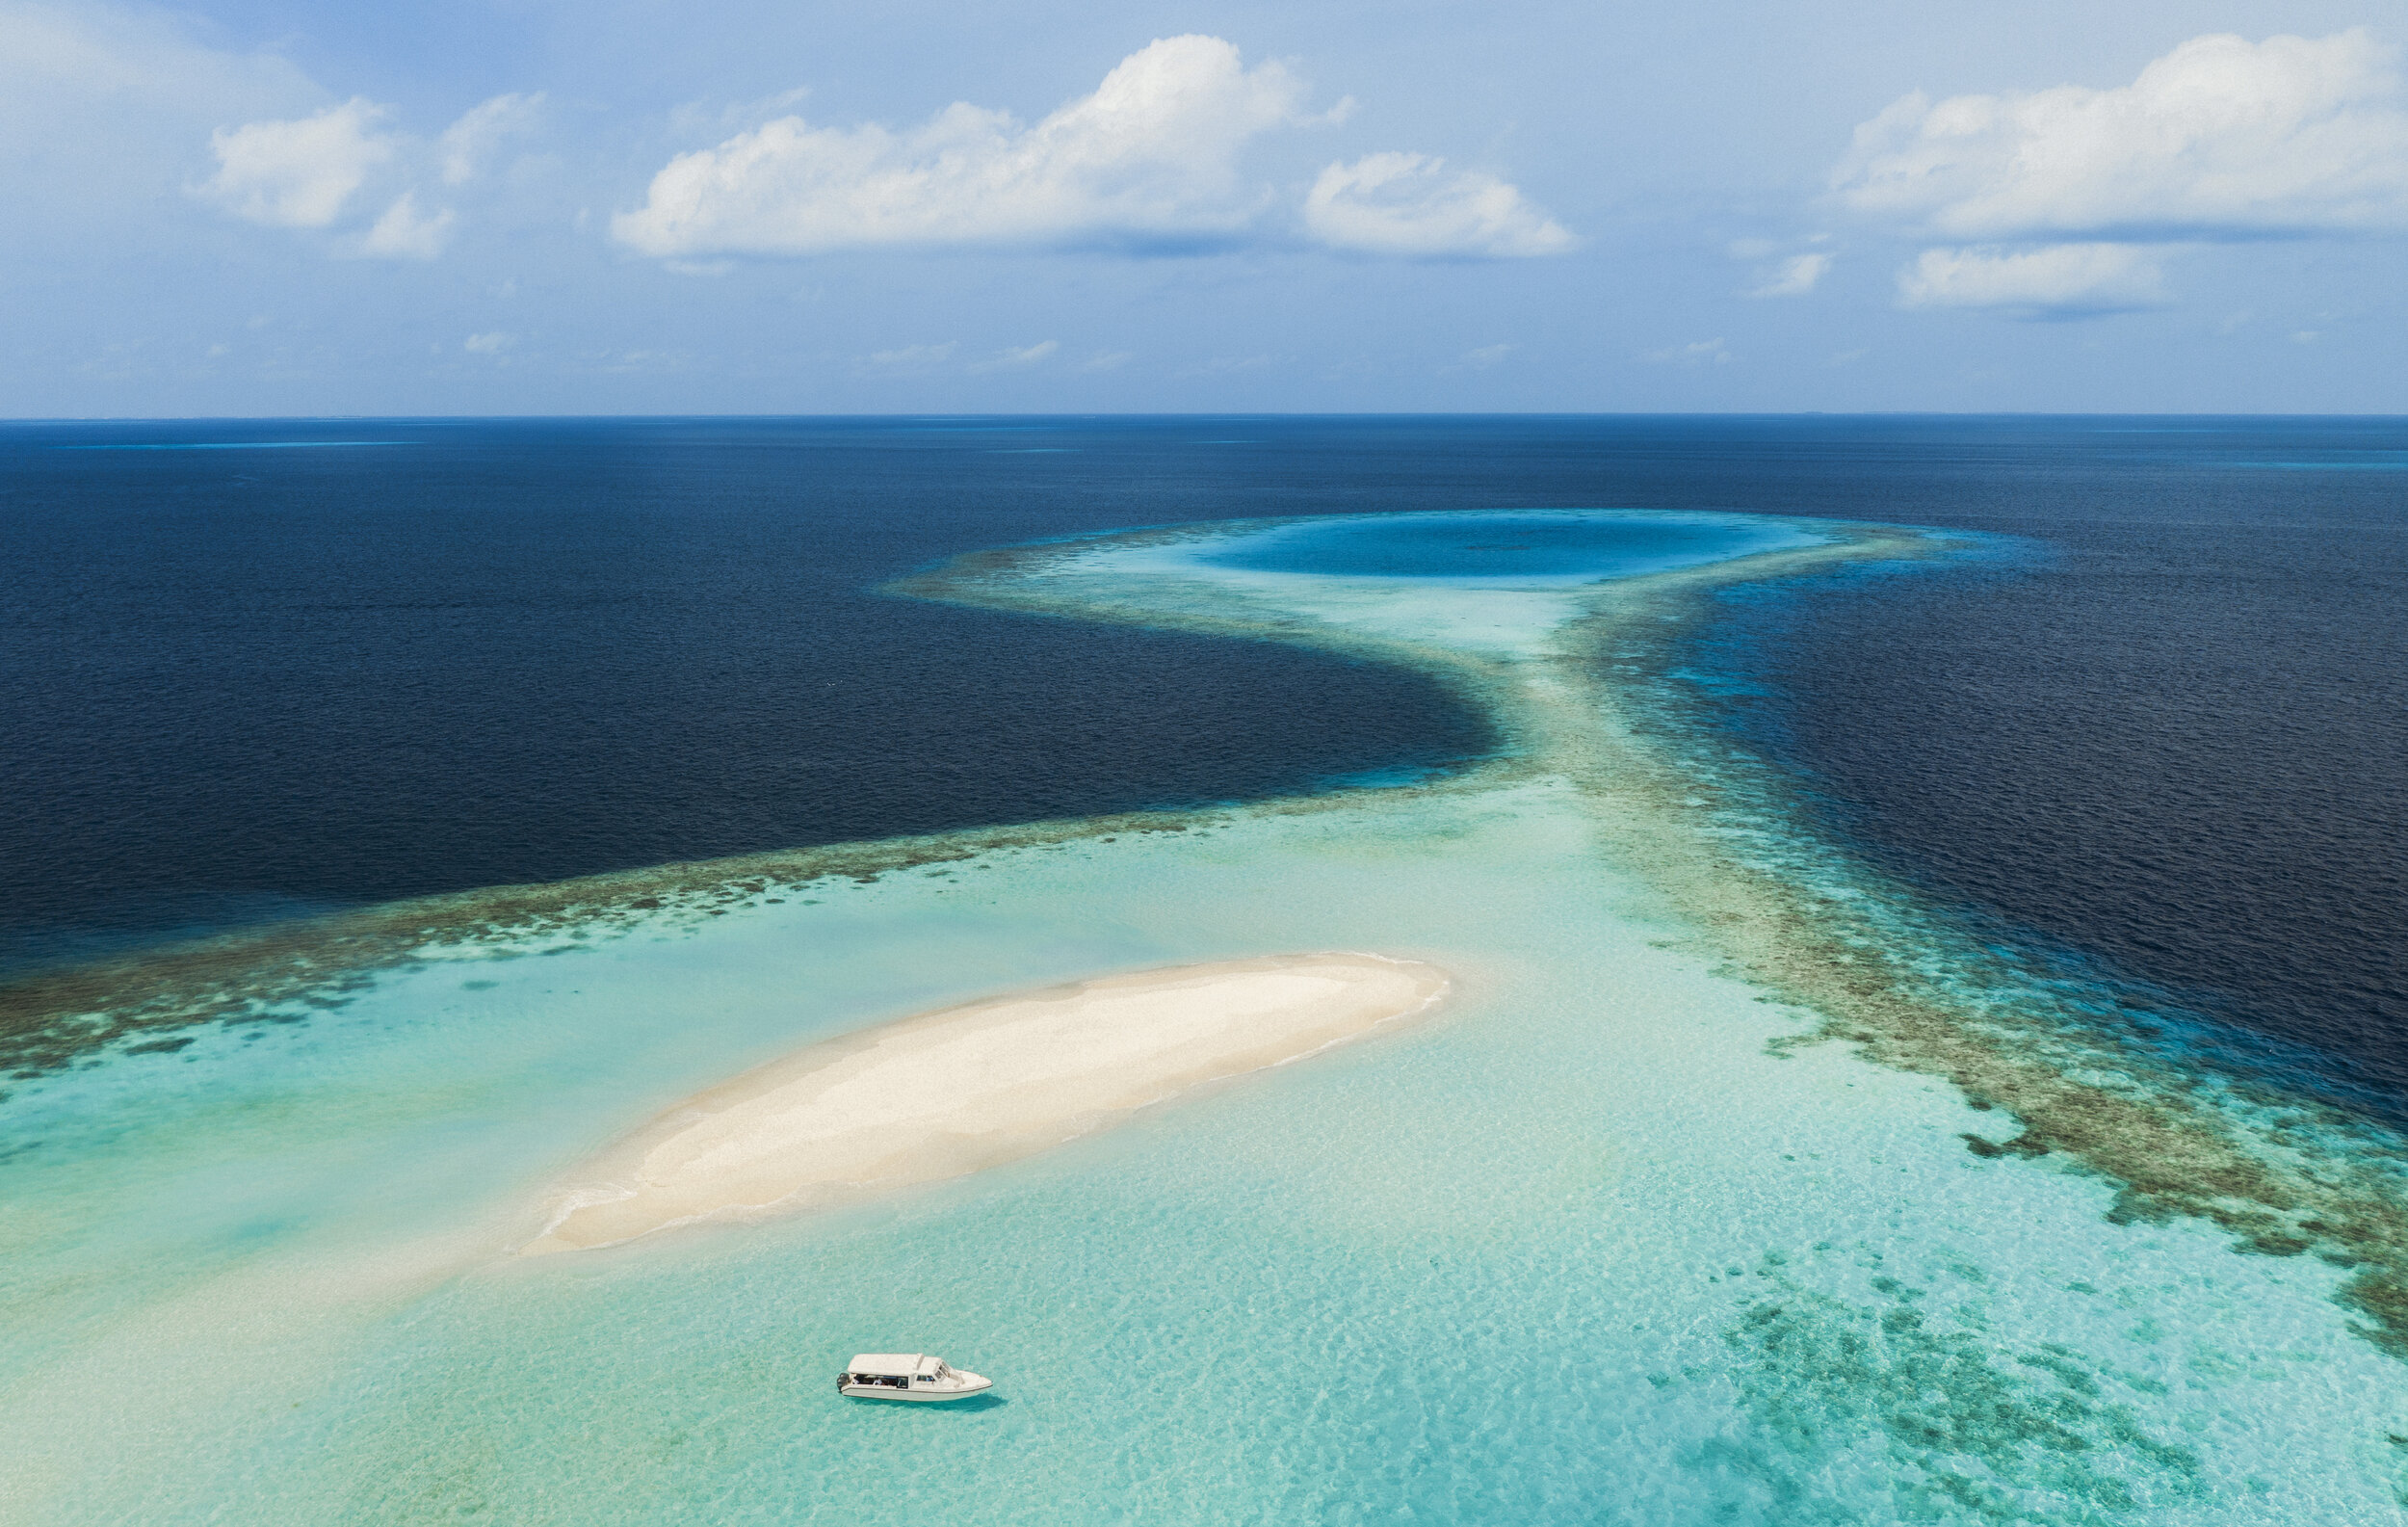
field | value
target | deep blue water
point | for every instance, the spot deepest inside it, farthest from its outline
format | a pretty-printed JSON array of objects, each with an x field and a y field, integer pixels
[
  {"x": 246, "y": 682},
  {"x": 2162, "y": 730},
  {"x": 2163, "y": 735}
]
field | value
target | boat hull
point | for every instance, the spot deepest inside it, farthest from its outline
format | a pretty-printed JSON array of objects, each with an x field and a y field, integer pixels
[{"x": 875, "y": 1391}]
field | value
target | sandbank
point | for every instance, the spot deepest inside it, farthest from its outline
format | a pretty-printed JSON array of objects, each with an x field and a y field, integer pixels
[{"x": 943, "y": 1094}]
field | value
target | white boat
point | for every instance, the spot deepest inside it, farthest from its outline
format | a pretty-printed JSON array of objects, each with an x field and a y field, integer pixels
[{"x": 906, "y": 1376}]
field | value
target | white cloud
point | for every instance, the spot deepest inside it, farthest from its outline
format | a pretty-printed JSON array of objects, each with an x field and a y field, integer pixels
[
  {"x": 1408, "y": 204},
  {"x": 492, "y": 344},
  {"x": 2220, "y": 138},
  {"x": 1019, "y": 359},
  {"x": 1696, "y": 353},
  {"x": 2054, "y": 281},
  {"x": 1487, "y": 356},
  {"x": 1793, "y": 277},
  {"x": 403, "y": 234},
  {"x": 1149, "y": 158},
  {"x": 106, "y": 113},
  {"x": 694, "y": 118},
  {"x": 469, "y": 142},
  {"x": 298, "y": 173},
  {"x": 315, "y": 171}
]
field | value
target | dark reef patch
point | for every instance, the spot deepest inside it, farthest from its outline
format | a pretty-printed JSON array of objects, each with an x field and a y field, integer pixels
[
  {"x": 1966, "y": 1426},
  {"x": 281, "y": 972}
]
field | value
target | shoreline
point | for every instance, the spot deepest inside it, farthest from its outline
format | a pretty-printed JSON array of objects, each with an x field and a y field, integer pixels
[{"x": 959, "y": 1089}]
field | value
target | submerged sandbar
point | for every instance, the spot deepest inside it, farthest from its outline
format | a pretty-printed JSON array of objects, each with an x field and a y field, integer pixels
[{"x": 970, "y": 1086}]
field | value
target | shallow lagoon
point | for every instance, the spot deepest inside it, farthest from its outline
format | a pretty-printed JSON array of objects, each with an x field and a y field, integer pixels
[
  {"x": 1500, "y": 550},
  {"x": 1584, "y": 1244}
]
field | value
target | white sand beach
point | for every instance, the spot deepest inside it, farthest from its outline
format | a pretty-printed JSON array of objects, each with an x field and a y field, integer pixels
[{"x": 965, "y": 1088}]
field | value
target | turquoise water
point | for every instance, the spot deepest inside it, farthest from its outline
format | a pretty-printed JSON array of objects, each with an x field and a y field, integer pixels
[
  {"x": 1502, "y": 549},
  {"x": 1592, "y": 1242}
]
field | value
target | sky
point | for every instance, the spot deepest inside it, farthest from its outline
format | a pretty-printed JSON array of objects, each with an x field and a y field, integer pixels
[{"x": 292, "y": 207}]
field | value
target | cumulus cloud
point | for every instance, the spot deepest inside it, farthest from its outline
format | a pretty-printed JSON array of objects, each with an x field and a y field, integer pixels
[
  {"x": 1409, "y": 204},
  {"x": 106, "y": 113},
  {"x": 1151, "y": 160},
  {"x": 1793, "y": 277},
  {"x": 1151, "y": 157},
  {"x": 404, "y": 233},
  {"x": 317, "y": 172},
  {"x": 2220, "y": 138},
  {"x": 471, "y": 141},
  {"x": 2052, "y": 281},
  {"x": 298, "y": 173}
]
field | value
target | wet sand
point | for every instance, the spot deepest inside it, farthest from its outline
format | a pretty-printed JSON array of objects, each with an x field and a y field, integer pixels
[{"x": 943, "y": 1094}]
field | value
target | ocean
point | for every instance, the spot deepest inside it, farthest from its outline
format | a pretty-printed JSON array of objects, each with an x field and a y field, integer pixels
[
  {"x": 2165, "y": 728},
  {"x": 2071, "y": 808}
]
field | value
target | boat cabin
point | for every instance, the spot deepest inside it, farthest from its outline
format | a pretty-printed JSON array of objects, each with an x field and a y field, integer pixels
[{"x": 905, "y": 1376}]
